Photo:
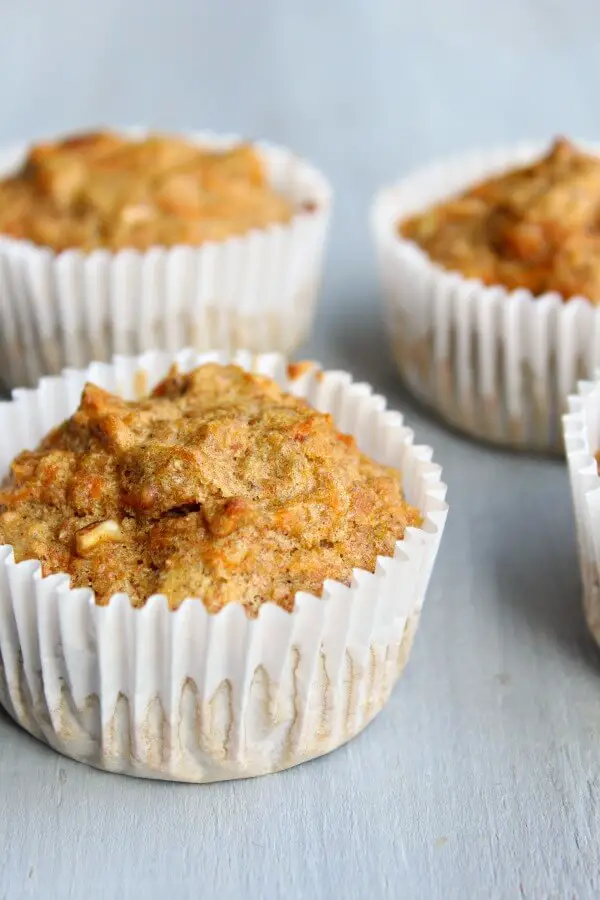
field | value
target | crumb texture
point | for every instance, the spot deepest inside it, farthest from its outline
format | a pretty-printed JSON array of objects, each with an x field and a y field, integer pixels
[
  {"x": 218, "y": 485},
  {"x": 536, "y": 227},
  {"x": 100, "y": 190}
]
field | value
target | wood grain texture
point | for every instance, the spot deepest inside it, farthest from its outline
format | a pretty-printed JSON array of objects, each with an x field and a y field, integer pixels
[{"x": 482, "y": 777}]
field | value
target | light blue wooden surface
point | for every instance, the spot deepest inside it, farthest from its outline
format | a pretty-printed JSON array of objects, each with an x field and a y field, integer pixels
[{"x": 482, "y": 777}]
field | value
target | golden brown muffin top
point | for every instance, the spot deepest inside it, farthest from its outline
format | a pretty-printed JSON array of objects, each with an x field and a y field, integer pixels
[
  {"x": 101, "y": 190},
  {"x": 218, "y": 485},
  {"x": 536, "y": 227}
]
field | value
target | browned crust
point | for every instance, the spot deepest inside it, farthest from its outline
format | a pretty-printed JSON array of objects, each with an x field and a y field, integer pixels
[
  {"x": 101, "y": 190},
  {"x": 218, "y": 485},
  {"x": 536, "y": 227}
]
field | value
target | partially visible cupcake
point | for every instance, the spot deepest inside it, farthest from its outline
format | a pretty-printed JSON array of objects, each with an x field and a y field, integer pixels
[
  {"x": 126, "y": 242},
  {"x": 306, "y": 559},
  {"x": 581, "y": 428},
  {"x": 491, "y": 275}
]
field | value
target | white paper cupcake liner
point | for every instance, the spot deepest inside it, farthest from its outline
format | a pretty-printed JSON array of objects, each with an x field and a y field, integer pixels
[
  {"x": 582, "y": 441},
  {"x": 496, "y": 364},
  {"x": 191, "y": 696},
  {"x": 256, "y": 292}
]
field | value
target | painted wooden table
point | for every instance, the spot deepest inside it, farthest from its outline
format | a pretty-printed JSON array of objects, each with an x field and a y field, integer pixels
[{"x": 482, "y": 777}]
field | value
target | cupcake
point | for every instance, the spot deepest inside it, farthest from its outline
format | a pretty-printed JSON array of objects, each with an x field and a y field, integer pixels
[
  {"x": 491, "y": 276},
  {"x": 128, "y": 242},
  {"x": 581, "y": 428},
  {"x": 210, "y": 580}
]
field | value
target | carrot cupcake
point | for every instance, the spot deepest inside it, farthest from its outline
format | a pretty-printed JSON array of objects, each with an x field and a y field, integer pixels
[
  {"x": 210, "y": 581},
  {"x": 492, "y": 283},
  {"x": 121, "y": 243}
]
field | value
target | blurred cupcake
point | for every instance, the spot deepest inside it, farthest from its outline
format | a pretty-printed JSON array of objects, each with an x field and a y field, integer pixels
[
  {"x": 120, "y": 243},
  {"x": 491, "y": 275},
  {"x": 582, "y": 443},
  {"x": 310, "y": 560}
]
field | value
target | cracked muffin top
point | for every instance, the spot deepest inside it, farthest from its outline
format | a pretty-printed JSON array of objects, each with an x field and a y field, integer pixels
[
  {"x": 101, "y": 190},
  {"x": 218, "y": 485},
  {"x": 535, "y": 227}
]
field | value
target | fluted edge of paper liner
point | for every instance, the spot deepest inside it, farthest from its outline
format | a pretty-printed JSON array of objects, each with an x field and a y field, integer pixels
[
  {"x": 581, "y": 427},
  {"x": 256, "y": 292},
  {"x": 496, "y": 364}
]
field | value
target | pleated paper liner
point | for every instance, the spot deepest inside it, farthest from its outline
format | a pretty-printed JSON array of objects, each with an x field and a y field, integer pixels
[
  {"x": 582, "y": 441},
  {"x": 191, "y": 696},
  {"x": 496, "y": 364},
  {"x": 257, "y": 292}
]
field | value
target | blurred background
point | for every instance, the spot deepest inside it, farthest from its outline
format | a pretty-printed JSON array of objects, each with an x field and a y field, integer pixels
[{"x": 365, "y": 88}]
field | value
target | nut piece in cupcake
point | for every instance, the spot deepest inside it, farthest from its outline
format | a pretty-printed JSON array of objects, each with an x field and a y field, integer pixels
[
  {"x": 101, "y": 190},
  {"x": 218, "y": 486},
  {"x": 535, "y": 227}
]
